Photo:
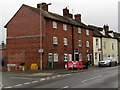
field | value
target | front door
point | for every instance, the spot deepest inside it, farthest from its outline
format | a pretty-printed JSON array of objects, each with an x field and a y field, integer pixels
[
  {"x": 50, "y": 60},
  {"x": 76, "y": 57}
]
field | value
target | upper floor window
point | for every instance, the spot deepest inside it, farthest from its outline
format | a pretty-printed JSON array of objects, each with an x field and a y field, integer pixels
[
  {"x": 87, "y": 32},
  {"x": 54, "y": 25},
  {"x": 113, "y": 46},
  {"x": 64, "y": 27},
  {"x": 65, "y": 41},
  {"x": 79, "y": 30},
  {"x": 55, "y": 40},
  {"x": 55, "y": 57},
  {"x": 104, "y": 45},
  {"x": 79, "y": 43},
  {"x": 87, "y": 44},
  {"x": 96, "y": 42}
]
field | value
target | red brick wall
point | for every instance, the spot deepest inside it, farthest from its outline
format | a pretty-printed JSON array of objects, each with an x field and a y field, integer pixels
[
  {"x": 24, "y": 23},
  {"x": 24, "y": 18},
  {"x": 23, "y": 50},
  {"x": 83, "y": 37},
  {"x": 59, "y": 49}
]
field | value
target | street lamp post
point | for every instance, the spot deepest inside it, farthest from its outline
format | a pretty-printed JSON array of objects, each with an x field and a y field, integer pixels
[{"x": 41, "y": 35}]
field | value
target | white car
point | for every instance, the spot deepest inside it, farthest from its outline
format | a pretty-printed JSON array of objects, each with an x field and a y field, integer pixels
[{"x": 108, "y": 61}]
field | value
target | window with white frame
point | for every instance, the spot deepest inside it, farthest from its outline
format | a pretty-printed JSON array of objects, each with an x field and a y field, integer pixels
[
  {"x": 79, "y": 30},
  {"x": 87, "y": 32},
  {"x": 54, "y": 25},
  {"x": 55, "y": 57},
  {"x": 65, "y": 57},
  {"x": 69, "y": 57},
  {"x": 65, "y": 41},
  {"x": 87, "y": 44},
  {"x": 55, "y": 40},
  {"x": 80, "y": 57},
  {"x": 96, "y": 41},
  {"x": 64, "y": 27},
  {"x": 79, "y": 43}
]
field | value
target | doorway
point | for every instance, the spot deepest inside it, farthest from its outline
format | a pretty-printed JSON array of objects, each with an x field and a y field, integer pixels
[
  {"x": 76, "y": 57},
  {"x": 50, "y": 60}
]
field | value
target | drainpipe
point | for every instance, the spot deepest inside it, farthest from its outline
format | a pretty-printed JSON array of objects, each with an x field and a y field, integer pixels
[
  {"x": 73, "y": 42},
  {"x": 101, "y": 48}
]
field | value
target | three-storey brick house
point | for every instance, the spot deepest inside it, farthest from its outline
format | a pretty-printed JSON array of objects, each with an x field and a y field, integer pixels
[{"x": 35, "y": 35}]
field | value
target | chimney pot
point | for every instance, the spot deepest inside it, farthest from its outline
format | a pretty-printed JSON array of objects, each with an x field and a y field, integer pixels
[
  {"x": 77, "y": 17},
  {"x": 43, "y": 6},
  {"x": 106, "y": 28},
  {"x": 66, "y": 13}
]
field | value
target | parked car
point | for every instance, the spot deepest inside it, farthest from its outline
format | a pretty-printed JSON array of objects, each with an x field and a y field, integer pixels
[{"x": 108, "y": 61}]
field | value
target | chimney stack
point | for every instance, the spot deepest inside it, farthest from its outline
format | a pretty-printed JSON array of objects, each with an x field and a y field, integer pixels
[
  {"x": 43, "y": 6},
  {"x": 77, "y": 17},
  {"x": 106, "y": 28},
  {"x": 66, "y": 13}
]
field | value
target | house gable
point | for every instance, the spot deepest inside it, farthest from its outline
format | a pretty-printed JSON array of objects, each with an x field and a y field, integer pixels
[{"x": 25, "y": 22}]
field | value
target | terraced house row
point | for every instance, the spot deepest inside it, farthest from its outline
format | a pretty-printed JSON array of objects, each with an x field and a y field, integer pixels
[{"x": 37, "y": 36}]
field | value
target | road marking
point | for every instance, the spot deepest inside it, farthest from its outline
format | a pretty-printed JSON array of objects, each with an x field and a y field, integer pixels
[
  {"x": 53, "y": 77},
  {"x": 9, "y": 87},
  {"x": 64, "y": 75},
  {"x": 27, "y": 83},
  {"x": 91, "y": 78},
  {"x": 47, "y": 78},
  {"x": 18, "y": 85},
  {"x": 65, "y": 86},
  {"x": 68, "y": 74},
  {"x": 42, "y": 79},
  {"x": 58, "y": 75},
  {"x": 21, "y": 78},
  {"x": 34, "y": 81}
]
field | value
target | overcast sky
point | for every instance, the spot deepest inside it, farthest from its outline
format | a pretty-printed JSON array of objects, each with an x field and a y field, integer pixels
[{"x": 94, "y": 12}]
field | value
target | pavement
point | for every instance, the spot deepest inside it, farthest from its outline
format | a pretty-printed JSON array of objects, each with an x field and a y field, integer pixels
[{"x": 45, "y": 72}]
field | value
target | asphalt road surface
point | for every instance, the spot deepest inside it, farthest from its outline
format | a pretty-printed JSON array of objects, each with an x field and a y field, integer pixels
[{"x": 101, "y": 77}]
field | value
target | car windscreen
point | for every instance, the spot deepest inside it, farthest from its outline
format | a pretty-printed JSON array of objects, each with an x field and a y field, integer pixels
[{"x": 106, "y": 58}]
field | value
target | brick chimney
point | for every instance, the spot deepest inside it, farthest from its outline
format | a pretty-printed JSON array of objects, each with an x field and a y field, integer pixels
[
  {"x": 77, "y": 17},
  {"x": 106, "y": 28},
  {"x": 43, "y": 6},
  {"x": 66, "y": 13}
]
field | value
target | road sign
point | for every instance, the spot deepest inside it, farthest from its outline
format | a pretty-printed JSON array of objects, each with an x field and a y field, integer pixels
[{"x": 41, "y": 51}]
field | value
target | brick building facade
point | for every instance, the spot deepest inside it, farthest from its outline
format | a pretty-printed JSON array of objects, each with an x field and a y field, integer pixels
[{"x": 35, "y": 35}]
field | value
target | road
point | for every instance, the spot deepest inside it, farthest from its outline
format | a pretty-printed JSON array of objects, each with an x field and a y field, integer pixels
[{"x": 101, "y": 77}]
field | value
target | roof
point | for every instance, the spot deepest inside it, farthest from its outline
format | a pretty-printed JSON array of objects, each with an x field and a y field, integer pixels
[
  {"x": 56, "y": 17},
  {"x": 96, "y": 31}
]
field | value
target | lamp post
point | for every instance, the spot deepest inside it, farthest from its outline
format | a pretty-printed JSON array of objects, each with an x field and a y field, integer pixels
[{"x": 41, "y": 35}]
